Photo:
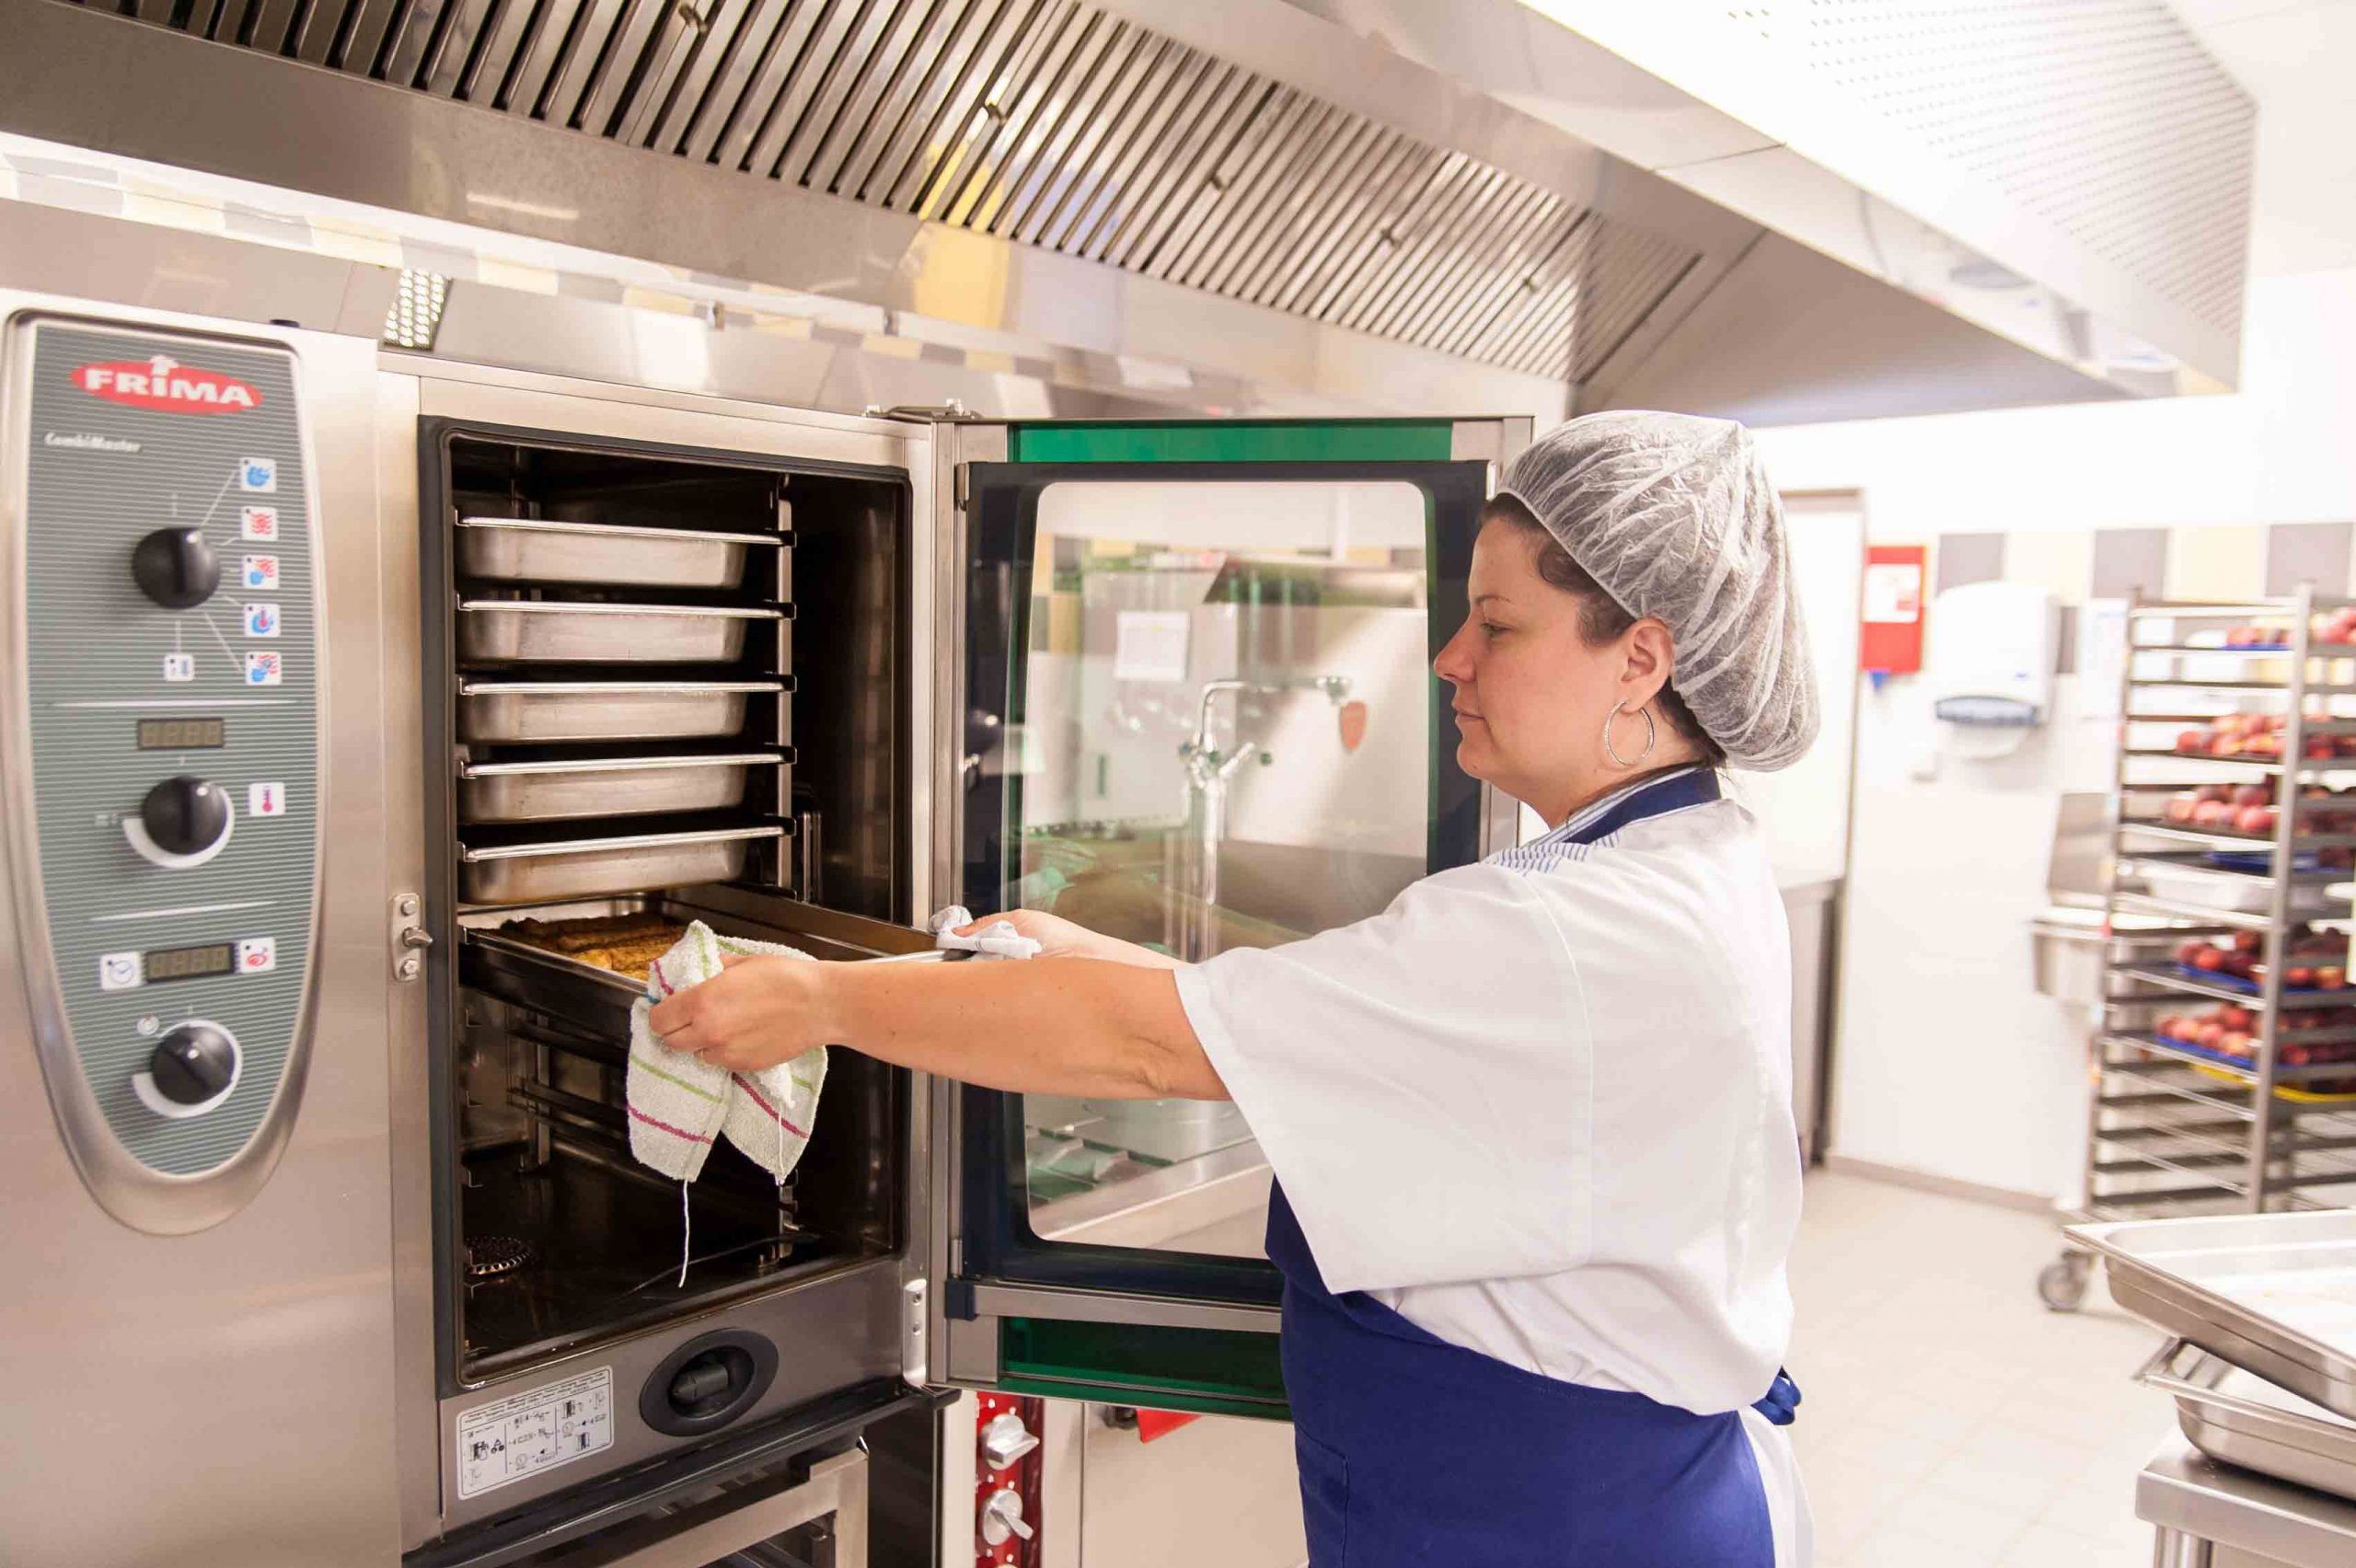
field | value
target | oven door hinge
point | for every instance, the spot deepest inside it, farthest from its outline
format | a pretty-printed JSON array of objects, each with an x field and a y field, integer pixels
[
  {"x": 409, "y": 937},
  {"x": 913, "y": 1370}
]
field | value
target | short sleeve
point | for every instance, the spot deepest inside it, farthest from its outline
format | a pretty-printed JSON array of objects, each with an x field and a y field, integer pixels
[{"x": 1422, "y": 1083}]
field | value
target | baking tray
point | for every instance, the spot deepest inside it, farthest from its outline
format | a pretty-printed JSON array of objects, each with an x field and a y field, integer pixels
[
  {"x": 2274, "y": 1293},
  {"x": 581, "y": 868},
  {"x": 519, "y": 632},
  {"x": 498, "y": 712},
  {"x": 553, "y": 981},
  {"x": 2239, "y": 1418},
  {"x": 589, "y": 787},
  {"x": 533, "y": 551}
]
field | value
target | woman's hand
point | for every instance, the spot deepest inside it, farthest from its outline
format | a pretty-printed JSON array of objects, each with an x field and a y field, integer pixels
[
  {"x": 757, "y": 1011},
  {"x": 1059, "y": 938}
]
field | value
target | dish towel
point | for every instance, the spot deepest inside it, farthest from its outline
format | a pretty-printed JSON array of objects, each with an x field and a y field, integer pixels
[
  {"x": 996, "y": 939},
  {"x": 679, "y": 1104}
]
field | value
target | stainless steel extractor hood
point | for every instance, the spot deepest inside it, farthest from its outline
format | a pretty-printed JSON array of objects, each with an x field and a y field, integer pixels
[{"x": 1250, "y": 185}]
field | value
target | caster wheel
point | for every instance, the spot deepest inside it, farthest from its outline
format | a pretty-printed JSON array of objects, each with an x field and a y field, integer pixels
[{"x": 2062, "y": 1283}]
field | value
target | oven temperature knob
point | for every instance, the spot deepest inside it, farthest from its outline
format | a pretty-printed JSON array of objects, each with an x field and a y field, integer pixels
[
  {"x": 191, "y": 1070},
  {"x": 1002, "y": 1518},
  {"x": 184, "y": 822},
  {"x": 1005, "y": 1439},
  {"x": 175, "y": 568}
]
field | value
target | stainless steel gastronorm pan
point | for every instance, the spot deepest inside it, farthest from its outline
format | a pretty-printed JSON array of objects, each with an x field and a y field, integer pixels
[
  {"x": 2239, "y": 1418},
  {"x": 589, "y": 787},
  {"x": 512, "y": 631},
  {"x": 532, "y": 550},
  {"x": 2272, "y": 1293},
  {"x": 585, "y": 868},
  {"x": 510, "y": 712}
]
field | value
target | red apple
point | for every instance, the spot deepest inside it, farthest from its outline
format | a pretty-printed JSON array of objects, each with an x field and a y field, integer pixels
[
  {"x": 2210, "y": 1034},
  {"x": 2253, "y": 795},
  {"x": 2256, "y": 819},
  {"x": 2299, "y": 977},
  {"x": 2247, "y": 941},
  {"x": 2209, "y": 958},
  {"x": 2212, "y": 814},
  {"x": 2188, "y": 953},
  {"x": 2233, "y": 1042},
  {"x": 2179, "y": 809},
  {"x": 2331, "y": 977}
]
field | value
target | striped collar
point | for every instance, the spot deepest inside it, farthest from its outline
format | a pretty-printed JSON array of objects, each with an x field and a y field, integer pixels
[{"x": 1692, "y": 785}]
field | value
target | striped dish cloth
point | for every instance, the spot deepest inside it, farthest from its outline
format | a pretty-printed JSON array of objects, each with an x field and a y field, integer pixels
[{"x": 679, "y": 1104}]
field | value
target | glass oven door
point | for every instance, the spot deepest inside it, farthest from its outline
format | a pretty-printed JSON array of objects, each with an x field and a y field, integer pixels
[{"x": 1198, "y": 714}]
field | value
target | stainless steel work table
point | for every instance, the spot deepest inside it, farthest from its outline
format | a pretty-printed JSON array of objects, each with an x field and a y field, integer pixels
[{"x": 2196, "y": 1504}]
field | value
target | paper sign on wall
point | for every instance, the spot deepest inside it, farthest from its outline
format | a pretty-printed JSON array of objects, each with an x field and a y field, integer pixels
[{"x": 1150, "y": 645}]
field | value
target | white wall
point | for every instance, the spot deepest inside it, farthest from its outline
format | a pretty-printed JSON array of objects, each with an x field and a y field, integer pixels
[
  {"x": 1804, "y": 809},
  {"x": 1945, "y": 1060}
]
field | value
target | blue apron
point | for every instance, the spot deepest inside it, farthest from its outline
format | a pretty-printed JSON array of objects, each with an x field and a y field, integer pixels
[{"x": 1416, "y": 1451}]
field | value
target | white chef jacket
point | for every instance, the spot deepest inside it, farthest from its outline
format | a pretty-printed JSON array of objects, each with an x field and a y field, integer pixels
[{"x": 1540, "y": 1107}]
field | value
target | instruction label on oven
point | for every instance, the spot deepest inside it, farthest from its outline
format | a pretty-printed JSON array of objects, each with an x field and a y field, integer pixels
[{"x": 523, "y": 1434}]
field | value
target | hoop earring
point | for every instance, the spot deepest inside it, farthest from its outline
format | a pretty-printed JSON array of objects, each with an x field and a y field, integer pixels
[{"x": 1652, "y": 735}]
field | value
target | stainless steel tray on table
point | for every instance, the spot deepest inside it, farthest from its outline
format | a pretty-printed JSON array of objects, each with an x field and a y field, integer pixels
[
  {"x": 2239, "y": 1418},
  {"x": 534, "y": 550},
  {"x": 594, "y": 786},
  {"x": 515, "y": 632},
  {"x": 494, "y": 712},
  {"x": 582, "y": 868},
  {"x": 2272, "y": 1293}
]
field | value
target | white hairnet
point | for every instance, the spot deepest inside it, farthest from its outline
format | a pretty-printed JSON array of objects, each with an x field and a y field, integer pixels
[{"x": 1674, "y": 518}]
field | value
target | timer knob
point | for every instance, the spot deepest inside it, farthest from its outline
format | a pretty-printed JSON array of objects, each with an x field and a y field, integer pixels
[
  {"x": 191, "y": 1070},
  {"x": 184, "y": 822},
  {"x": 175, "y": 568}
]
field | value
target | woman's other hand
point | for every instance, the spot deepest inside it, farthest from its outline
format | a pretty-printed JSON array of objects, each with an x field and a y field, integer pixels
[
  {"x": 757, "y": 1011},
  {"x": 1059, "y": 938}
]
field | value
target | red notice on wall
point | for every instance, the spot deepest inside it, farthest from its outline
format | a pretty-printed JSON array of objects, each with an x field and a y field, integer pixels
[{"x": 1890, "y": 635}]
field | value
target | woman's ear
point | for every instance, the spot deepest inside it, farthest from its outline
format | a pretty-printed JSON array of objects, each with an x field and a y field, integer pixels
[{"x": 1651, "y": 657}]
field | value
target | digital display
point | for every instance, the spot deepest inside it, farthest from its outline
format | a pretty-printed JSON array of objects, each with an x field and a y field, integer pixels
[
  {"x": 182, "y": 734},
  {"x": 187, "y": 962}
]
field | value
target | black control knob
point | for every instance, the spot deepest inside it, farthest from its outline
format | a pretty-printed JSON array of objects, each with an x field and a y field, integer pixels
[
  {"x": 175, "y": 568},
  {"x": 185, "y": 814},
  {"x": 192, "y": 1064}
]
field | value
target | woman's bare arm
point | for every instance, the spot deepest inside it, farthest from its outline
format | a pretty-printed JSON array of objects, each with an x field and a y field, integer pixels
[{"x": 1075, "y": 1026}]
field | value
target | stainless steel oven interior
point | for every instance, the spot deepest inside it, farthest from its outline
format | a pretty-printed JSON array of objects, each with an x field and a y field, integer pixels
[{"x": 661, "y": 685}]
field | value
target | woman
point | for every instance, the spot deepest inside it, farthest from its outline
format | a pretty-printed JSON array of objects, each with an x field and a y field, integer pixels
[{"x": 1536, "y": 1168}]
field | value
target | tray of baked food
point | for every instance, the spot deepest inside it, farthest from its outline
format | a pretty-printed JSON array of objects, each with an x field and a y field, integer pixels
[{"x": 586, "y": 960}]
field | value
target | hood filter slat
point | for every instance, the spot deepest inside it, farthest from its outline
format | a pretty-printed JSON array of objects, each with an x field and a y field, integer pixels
[{"x": 1046, "y": 122}]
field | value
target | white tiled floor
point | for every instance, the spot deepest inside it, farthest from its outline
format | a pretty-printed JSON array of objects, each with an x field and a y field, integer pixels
[{"x": 1950, "y": 1420}]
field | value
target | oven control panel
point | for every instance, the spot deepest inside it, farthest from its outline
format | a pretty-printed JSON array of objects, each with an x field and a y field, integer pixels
[{"x": 166, "y": 804}]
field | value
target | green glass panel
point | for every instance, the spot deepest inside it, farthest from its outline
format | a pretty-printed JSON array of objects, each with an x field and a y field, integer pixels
[
  {"x": 1191, "y": 1369},
  {"x": 1236, "y": 441}
]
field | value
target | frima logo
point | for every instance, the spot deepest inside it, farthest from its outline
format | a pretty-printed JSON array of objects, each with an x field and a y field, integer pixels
[{"x": 166, "y": 386}]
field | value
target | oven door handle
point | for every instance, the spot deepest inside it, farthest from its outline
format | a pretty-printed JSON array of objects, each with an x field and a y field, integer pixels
[{"x": 701, "y": 1534}]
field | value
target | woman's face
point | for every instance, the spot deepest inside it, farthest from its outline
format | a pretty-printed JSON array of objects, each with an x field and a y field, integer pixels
[{"x": 1531, "y": 695}]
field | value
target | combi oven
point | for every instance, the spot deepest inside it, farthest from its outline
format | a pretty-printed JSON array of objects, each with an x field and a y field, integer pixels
[{"x": 369, "y": 718}]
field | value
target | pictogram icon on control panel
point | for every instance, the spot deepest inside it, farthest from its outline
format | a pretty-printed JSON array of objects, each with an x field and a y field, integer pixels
[
  {"x": 179, "y": 666},
  {"x": 258, "y": 474},
  {"x": 261, "y": 573},
  {"x": 262, "y": 669},
  {"x": 257, "y": 955},
  {"x": 118, "y": 971},
  {"x": 261, "y": 620},
  {"x": 258, "y": 524},
  {"x": 266, "y": 799}
]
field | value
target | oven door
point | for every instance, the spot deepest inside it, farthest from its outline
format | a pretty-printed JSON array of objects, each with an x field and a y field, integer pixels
[{"x": 1193, "y": 671}]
